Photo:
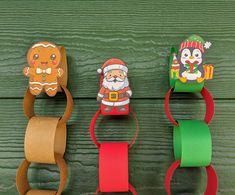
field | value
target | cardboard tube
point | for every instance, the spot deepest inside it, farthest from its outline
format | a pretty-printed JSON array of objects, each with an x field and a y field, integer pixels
[
  {"x": 43, "y": 138},
  {"x": 22, "y": 183}
]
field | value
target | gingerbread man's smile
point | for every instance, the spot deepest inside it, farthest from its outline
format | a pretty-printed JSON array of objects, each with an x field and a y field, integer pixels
[{"x": 44, "y": 63}]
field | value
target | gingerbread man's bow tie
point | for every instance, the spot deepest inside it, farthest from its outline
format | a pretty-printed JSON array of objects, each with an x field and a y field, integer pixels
[{"x": 40, "y": 71}]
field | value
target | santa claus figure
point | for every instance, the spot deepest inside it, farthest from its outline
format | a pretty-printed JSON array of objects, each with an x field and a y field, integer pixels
[{"x": 114, "y": 91}]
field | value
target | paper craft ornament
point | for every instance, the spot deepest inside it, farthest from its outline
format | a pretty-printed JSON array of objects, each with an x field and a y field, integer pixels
[
  {"x": 191, "y": 138},
  {"x": 113, "y": 156},
  {"x": 44, "y": 59},
  {"x": 114, "y": 94},
  {"x": 45, "y": 137},
  {"x": 187, "y": 65}
]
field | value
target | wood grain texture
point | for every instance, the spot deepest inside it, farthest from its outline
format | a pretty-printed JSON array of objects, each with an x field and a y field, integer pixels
[
  {"x": 141, "y": 33},
  {"x": 149, "y": 158}
]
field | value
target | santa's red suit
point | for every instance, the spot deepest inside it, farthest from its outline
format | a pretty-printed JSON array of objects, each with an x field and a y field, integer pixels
[{"x": 115, "y": 98}]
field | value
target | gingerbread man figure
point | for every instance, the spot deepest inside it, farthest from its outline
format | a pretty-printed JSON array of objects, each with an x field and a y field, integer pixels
[{"x": 43, "y": 72}]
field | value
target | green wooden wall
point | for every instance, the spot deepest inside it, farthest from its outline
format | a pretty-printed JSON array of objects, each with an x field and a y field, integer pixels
[{"x": 141, "y": 33}]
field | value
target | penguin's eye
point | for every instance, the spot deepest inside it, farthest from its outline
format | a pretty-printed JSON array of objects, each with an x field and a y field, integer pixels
[
  {"x": 35, "y": 56},
  {"x": 186, "y": 53},
  {"x": 197, "y": 53},
  {"x": 53, "y": 56}
]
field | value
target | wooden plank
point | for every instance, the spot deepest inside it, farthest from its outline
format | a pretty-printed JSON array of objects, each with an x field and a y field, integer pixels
[
  {"x": 149, "y": 158},
  {"x": 139, "y": 33}
]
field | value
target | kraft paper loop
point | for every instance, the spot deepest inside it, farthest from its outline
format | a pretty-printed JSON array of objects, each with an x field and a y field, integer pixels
[
  {"x": 113, "y": 167},
  {"x": 212, "y": 180},
  {"x": 41, "y": 192},
  {"x": 92, "y": 129},
  {"x": 208, "y": 101},
  {"x": 192, "y": 143},
  {"x": 29, "y": 100},
  {"x": 43, "y": 138},
  {"x": 22, "y": 183}
]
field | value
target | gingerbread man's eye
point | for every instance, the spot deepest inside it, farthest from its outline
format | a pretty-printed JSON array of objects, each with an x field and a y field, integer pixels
[
  {"x": 35, "y": 56},
  {"x": 53, "y": 56}
]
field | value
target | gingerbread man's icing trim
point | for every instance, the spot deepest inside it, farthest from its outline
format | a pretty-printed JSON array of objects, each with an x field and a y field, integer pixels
[{"x": 43, "y": 72}]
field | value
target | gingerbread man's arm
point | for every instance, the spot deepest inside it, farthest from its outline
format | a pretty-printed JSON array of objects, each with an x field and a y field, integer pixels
[
  {"x": 59, "y": 72},
  {"x": 28, "y": 71}
]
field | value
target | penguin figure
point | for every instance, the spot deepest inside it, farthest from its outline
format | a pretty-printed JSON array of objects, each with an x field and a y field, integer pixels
[{"x": 191, "y": 57}]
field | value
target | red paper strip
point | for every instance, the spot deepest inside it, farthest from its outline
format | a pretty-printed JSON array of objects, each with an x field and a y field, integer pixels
[
  {"x": 212, "y": 180},
  {"x": 92, "y": 129},
  {"x": 113, "y": 167},
  {"x": 208, "y": 101}
]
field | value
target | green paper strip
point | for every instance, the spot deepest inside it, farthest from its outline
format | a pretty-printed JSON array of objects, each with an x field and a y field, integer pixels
[
  {"x": 192, "y": 143},
  {"x": 177, "y": 84},
  {"x": 188, "y": 87}
]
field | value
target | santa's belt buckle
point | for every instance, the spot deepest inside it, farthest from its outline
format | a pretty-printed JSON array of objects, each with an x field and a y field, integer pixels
[{"x": 113, "y": 96}]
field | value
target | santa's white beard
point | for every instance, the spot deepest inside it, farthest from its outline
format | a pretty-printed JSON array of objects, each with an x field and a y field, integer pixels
[{"x": 115, "y": 86}]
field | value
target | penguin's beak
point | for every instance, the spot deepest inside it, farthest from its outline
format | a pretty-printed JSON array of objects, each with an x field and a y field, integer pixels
[{"x": 191, "y": 57}]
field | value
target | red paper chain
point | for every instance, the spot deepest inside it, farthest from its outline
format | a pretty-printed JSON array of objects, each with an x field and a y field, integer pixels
[
  {"x": 98, "y": 145},
  {"x": 212, "y": 180}
]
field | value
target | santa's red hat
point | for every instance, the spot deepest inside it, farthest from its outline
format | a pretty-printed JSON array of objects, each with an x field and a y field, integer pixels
[{"x": 113, "y": 64}]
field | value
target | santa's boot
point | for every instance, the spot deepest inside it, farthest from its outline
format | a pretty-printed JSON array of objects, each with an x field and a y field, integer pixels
[
  {"x": 183, "y": 79},
  {"x": 121, "y": 109},
  {"x": 108, "y": 109},
  {"x": 200, "y": 79}
]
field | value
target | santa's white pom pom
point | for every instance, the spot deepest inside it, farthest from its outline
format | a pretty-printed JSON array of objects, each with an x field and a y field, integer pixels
[
  {"x": 207, "y": 45},
  {"x": 99, "y": 70}
]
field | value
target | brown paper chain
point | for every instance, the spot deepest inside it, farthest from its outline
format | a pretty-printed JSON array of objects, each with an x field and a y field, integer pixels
[{"x": 45, "y": 138}]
